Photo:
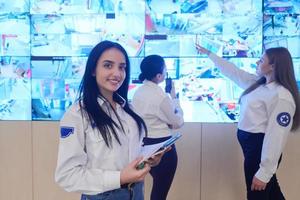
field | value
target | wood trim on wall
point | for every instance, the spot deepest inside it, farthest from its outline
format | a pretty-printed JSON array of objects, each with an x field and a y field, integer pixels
[
  {"x": 16, "y": 160},
  {"x": 209, "y": 167}
]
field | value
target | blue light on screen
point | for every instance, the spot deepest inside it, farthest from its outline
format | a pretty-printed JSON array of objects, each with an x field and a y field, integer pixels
[{"x": 44, "y": 45}]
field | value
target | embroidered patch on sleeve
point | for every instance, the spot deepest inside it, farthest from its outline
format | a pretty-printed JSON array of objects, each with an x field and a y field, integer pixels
[
  {"x": 283, "y": 119},
  {"x": 66, "y": 131}
]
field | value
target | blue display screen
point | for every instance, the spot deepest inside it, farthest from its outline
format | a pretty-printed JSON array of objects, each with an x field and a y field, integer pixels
[{"x": 44, "y": 45}]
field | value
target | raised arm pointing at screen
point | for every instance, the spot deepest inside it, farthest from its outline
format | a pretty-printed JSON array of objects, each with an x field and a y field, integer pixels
[{"x": 270, "y": 109}]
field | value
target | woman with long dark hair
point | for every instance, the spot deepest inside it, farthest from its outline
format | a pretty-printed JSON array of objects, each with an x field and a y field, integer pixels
[
  {"x": 101, "y": 136},
  {"x": 270, "y": 110}
]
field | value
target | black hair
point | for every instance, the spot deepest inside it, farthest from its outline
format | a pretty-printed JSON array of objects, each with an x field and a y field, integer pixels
[
  {"x": 151, "y": 66},
  {"x": 89, "y": 93}
]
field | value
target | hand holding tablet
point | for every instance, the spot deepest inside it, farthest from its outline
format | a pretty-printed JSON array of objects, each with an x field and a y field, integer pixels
[{"x": 149, "y": 151}]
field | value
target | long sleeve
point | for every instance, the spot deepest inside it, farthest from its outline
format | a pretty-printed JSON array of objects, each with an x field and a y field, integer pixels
[
  {"x": 279, "y": 126},
  {"x": 159, "y": 111},
  {"x": 171, "y": 112},
  {"x": 242, "y": 78},
  {"x": 72, "y": 172}
]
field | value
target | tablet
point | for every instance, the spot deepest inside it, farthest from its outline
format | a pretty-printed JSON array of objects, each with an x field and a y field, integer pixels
[
  {"x": 171, "y": 141},
  {"x": 151, "y": 150}
]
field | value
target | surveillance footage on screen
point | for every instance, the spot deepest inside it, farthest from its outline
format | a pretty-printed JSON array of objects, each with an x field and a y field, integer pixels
[{"x": 44, "y": 45}]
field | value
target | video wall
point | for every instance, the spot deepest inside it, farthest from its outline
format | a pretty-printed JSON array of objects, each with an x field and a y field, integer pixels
[{"x": 44, "y": 46}]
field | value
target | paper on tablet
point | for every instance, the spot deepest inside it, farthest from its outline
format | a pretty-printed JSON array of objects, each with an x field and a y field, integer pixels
[{"x": 150, "y": 150}]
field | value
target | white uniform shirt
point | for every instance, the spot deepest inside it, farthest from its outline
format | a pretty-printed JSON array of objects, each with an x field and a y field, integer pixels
[
  {"x": 157, "y": 109},
  {"x": 97, "y": 169},
  {"x": 268, "y": 109}
]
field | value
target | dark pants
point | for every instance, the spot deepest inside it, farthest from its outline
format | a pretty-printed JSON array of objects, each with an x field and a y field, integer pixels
[
  {"x": 251, "y": 144},
  {"x": 163, "y": 173}
]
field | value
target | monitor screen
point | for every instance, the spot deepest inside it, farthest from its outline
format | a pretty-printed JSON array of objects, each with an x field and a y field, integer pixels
[{"x": 44, "y": 45}]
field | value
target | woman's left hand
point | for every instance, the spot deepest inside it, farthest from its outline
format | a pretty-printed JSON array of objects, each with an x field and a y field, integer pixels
[
  {"x": 155, "y": 159},
  {"x": 258, "y": 184}
]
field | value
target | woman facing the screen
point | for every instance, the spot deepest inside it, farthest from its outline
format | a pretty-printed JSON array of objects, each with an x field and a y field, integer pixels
[
  {"x": 270, "y": 109},
  {"x": 161, "y": 113}
]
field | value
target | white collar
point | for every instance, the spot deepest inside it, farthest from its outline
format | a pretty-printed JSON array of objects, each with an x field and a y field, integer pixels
[
  {"x": 150, "y": 83},
  {"x": 101, "y": 100}
]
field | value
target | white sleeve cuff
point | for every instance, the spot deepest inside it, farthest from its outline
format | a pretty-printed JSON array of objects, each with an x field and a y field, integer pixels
[{"x": 263, "y": 176}]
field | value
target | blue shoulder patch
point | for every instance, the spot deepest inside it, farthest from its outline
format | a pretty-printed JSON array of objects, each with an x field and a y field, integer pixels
[
  {"x": 283, "y": 119},
  {"x": 66, "y": 131}
]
